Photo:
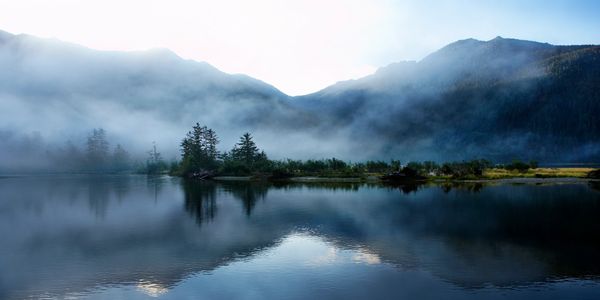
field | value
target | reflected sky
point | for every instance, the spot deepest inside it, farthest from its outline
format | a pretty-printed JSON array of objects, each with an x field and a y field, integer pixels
[{"x": 137, "y": 237}]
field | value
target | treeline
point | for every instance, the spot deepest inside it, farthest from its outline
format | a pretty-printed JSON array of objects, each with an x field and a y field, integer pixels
[
  {"x": 98, "y": 156},
  {"x": 200, "y": 158}
]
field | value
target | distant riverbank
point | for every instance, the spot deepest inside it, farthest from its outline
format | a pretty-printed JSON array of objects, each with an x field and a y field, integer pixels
[{"x": 537, "y": 175}]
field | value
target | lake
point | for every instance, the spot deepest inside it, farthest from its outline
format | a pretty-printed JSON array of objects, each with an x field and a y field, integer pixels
[{"x": 138, "y": 237}]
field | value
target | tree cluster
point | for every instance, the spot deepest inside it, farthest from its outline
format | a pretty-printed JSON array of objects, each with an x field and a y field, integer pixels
[
  {"x": 331, "y": 167},
  {"x": 199, "y": 151},
  {"x": 245, "y": 158},
  {"x": 517, "y": 165},
  {"x": 95, "y": 157},
  {"x": 465, "y": 169},
  {"x": 200, "y": 157}
]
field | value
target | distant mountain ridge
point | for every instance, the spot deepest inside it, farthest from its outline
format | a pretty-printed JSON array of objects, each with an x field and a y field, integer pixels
[
  {"x": 503, "y": 99},
  {"x": 499, "y": 99}
]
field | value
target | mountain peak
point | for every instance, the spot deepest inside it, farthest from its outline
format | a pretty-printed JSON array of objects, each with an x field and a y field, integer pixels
[
  {"x": 492, "y": 49},
  {"x": 516, "y": 43},
  {"x": 5, "y": 35},
  {"x": 464, "y": 43},
  {"x": 163, "y": 53}
]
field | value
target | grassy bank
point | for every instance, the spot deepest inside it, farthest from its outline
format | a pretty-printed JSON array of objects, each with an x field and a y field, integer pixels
[
  {"x": 537, "y": 173},
  {"x": 488, "y": 175}
]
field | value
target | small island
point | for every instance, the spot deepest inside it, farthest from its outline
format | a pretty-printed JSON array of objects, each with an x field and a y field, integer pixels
[{"x": 201, "y": 160}]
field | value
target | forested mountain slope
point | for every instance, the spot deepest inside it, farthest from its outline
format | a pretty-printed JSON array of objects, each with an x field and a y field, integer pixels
[{"x": 500, "y": 99}]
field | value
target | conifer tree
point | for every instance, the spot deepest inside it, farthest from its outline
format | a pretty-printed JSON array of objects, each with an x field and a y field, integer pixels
[
  {"x": 199, "y": 150},
  {"x": 97, "y": 150},
  {"x": 245, "y": 150},
  {"x": 120, "y": 159}
]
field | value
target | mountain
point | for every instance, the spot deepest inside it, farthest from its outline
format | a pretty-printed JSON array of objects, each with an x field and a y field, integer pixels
[
  {"x": 499, "y": 99},
  {"x": 52, "y": 91}
]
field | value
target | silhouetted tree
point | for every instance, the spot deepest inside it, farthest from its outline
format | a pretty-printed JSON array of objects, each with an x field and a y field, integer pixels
[
  {"x": 519, "y": 166},
  {"x": 245, "y": 158},
  {"x": 97, "y": 150},
  {"x": 71, "y": 158},
  {"x": 245, "y": 150},
  {"x": 199, "y": 150},
  {"x": 120, "y": 159},
  {"x": 211, "y": 141},
  {"x": 396, "y": 165},
  {"x": 154, "y": 163}
]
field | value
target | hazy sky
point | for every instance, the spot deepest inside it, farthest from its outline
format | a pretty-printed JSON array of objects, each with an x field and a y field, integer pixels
[{"x": 299, "y": 46}]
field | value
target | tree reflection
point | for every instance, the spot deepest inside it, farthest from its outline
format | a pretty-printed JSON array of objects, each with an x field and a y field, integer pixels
[
  {"x": 331, "y": 186},
  {"x": 405, "y": 188},
  {"x": 248, "y": 192},
  {"x": 154, "y": 184},
  {"x": 503, "y": 235},
  {"x": 100, "y": 190},
  {"x": 595, "y": 185},
  {"x": 200, "y": 200},
  {"x": 474, "y": 187}
]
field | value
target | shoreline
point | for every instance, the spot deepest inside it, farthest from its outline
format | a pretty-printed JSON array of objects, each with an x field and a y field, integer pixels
[
  {"x": 371, "y": 179},
  {"x": 513, "y": 180},
  {"x": 524, "y": 180}
]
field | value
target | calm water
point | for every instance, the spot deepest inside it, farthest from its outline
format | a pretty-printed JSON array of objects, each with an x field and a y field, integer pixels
[{"x": 133, "y": 237}]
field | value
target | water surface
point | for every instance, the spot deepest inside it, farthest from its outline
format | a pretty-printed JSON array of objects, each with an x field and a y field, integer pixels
[{"x": 137, "y": 237}]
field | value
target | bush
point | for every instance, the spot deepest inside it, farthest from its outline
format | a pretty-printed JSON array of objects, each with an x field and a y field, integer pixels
[
  {"x": 474, "y": 168},
  {"x": 520, "y": 166},
  {"x": 235, "y": 168}
]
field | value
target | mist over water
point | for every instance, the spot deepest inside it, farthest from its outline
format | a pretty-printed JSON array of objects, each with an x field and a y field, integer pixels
[
  {"x": 53, "y": 94},
  {"x": 459, "y": 163},
  {"x": 138, "y": 237}
]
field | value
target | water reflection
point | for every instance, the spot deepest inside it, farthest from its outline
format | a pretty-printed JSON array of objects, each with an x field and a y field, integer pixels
[
  {"x": 200, "y": 200},
  {"x": 595, "y": 185},
  {"x": 160, "y": 236},
  {"x": 247, "y": 192},
  {"x": 474, "y": 187}
]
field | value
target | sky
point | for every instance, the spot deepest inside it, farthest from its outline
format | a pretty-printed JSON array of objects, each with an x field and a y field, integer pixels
[{"x": 299, "y": 46}]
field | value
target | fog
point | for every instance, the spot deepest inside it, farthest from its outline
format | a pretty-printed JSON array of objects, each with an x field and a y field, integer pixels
[
  {"x": 501, "y": 99},
  {"x": 59, "y": 92},
  {"x": 458, "y": 103}
]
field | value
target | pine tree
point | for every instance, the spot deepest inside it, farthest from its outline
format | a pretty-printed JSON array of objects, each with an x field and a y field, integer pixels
[
  {"x": 245, "y": 150},
  {"x": 71, "y": 158},
  {"x": 199, "y": 150},
  {"x": 211, "y": 141},
  {"x": 153, "y": 155},
  {"x": 155, "y": 164},
  {"x": 120, "y": 159},
  {"x": 245, "y": 157},
  {"x": 97, "y": 150}
]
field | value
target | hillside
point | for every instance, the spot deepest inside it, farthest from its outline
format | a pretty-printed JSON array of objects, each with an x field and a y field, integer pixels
[
  {"x": 499, "y": 99},
  {"x": 52, "y": 92}
]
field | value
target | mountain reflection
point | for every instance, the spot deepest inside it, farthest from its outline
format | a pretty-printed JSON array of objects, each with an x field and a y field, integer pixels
[{"x": 133, "y": 230}]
